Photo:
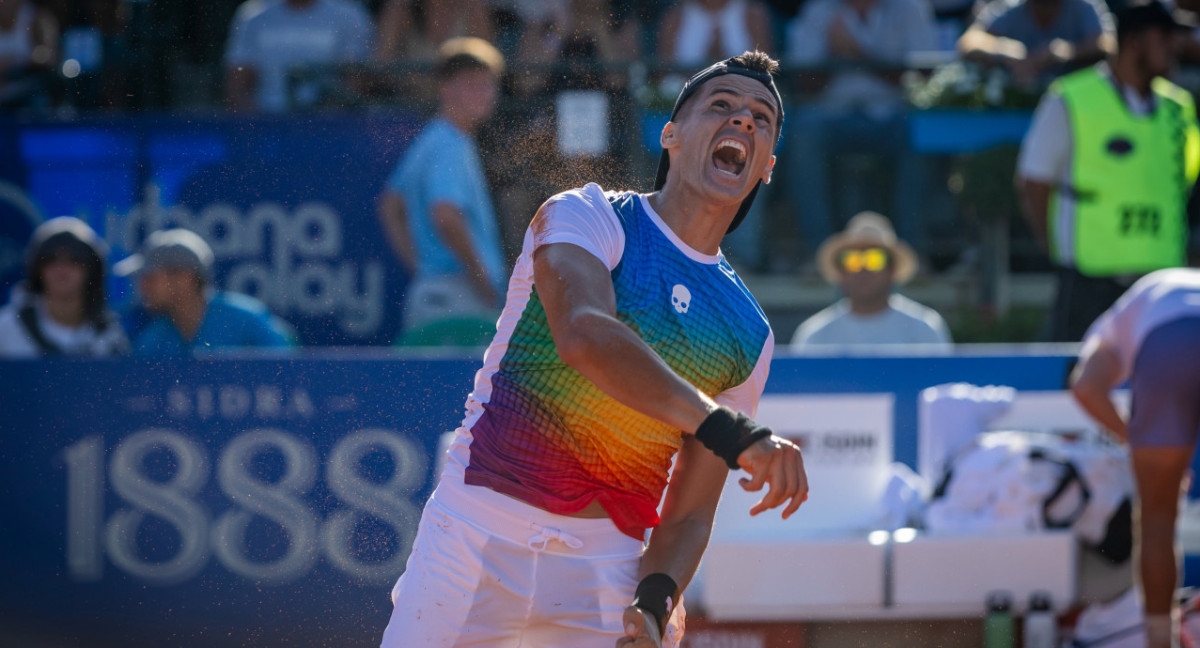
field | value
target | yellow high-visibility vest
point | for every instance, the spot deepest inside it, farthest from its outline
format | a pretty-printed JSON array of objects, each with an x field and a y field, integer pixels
[{"x": 1131, "y": 177}]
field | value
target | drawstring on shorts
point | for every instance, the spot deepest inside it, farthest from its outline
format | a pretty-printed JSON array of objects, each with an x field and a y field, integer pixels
[{"x": 545, "y": 534}]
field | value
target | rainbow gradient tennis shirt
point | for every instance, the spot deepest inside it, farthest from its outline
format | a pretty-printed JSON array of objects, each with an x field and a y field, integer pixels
[{"x": 541, "y": 432}]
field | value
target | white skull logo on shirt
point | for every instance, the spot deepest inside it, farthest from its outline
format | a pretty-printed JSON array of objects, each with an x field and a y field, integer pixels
[{"x": 681, "y": 298}]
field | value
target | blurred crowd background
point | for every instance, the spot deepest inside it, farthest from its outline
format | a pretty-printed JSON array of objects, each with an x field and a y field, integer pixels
[{"x": 879, "y": 96}]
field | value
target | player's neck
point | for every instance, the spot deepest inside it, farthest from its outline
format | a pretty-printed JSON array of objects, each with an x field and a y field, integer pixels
[{"x": 694, "y": 219}]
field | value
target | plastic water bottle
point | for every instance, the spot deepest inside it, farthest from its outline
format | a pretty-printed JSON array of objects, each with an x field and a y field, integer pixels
[
  {"x": 1041, "y": 626},
  {"x": 998, "y": 622}
]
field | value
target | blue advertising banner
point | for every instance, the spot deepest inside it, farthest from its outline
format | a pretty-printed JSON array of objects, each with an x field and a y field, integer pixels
[
  {"x": 271, "y": 500},
  {"x": 255, "y": 502},
  {"x": 288, "y": 204}
]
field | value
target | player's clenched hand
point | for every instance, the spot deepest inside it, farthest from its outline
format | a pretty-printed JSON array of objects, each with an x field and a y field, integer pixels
[
  {"x": 640, "y": 630},
  {"x": 776, "y": 462}
]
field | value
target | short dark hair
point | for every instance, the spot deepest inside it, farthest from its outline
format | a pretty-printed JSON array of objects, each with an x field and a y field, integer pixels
[
  {"x": 757, "y": 61},
  {"x": 467, "y": 54}
]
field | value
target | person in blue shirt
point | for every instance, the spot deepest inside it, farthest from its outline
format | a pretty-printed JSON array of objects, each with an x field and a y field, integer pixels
[
  {"x": 174, "y": 278},
  {"x": 437, "y": 210}
]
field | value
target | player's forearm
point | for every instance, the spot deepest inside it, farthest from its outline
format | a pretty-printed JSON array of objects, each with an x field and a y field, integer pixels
[
  {"x": 622, "y": 365},
  {"x": 1100, "y": 407},
  {"x": 675, "y": 549},
  {"x": 1095, "y": 376}
]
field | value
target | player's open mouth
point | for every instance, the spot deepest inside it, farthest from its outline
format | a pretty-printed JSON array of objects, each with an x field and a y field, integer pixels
[{"x": 730, "y": 157}]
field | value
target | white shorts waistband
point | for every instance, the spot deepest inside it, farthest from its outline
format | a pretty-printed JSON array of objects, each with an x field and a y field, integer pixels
[{"x": 522, "y": 523}]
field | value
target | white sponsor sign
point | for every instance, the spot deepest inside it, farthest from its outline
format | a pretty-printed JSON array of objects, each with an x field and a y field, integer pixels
[{"x": 847, "y": 445}]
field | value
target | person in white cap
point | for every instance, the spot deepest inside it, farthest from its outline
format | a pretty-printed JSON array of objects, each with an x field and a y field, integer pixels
[
  {"x": 867, "y": 262},
  {"x": 174, "y": 277}
]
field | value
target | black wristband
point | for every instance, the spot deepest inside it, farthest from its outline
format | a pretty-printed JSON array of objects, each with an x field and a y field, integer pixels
[
  {"x": 727, "y": 433},
  {"x": 656, "y": 595}
]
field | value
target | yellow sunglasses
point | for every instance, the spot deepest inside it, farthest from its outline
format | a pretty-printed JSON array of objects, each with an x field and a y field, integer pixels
[{"x": 869, "y": 260}]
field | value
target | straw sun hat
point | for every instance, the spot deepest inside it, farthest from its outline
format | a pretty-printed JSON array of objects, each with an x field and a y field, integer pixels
[{"x": 867, "y": 229}]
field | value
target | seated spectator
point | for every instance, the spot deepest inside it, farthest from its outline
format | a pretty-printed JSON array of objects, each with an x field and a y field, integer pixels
[
  {"x": 1039, "y": 40},
  {"x": 269, "y": 38},
  {"x": 174, "y": 277},
  {"x": 589, "y": 29},
  {"x": 28, "y": 52},
  {"x": 62, "y": 309},
  {"x": 694, "y": 32},
  {"x": 861, "y": 109},
  {"x": 437, "y": 209},
  {"x": 867, "y": 262},
  {"x": 405, "y": 35}
]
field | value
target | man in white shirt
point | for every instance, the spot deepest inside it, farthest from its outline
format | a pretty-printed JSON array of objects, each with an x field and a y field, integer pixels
[
  {"x": 1151, "y": 337},
  {"x": 268, "y": 38},
  {"x": 867, "y": 261}
]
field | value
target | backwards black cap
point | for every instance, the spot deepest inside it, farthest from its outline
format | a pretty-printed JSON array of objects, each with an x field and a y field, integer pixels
[{"x": 728, "y": 66}]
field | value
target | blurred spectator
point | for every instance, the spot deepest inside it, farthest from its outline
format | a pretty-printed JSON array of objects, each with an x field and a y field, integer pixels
[
  {"x": 406, "y": 33},
  {"x": 867, "y": 262},
  {"x": 586, "y": 29},
  {"x": 190, "y": 40},
  {"x": 269, "y": 38},
  {"x": 96, "y": 52},
  {"x": 862, "y": 108},
  {"x": 697, "y": 31},
  {"x": 436, "y": 209},
  {"x": 28, "y": 52},
  {"x": 572, "y": 115},
  {"x": 1189, "y": 48},
  {"x": 1106, "y": 170},
  {"x": 1038, "y": 40},
  {"x": 174, "y": 279},
  {"x": 62, "y": 309}
]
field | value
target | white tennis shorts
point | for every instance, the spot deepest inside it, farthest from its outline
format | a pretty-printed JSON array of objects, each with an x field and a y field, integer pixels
[{"x": 489, "y": 570}]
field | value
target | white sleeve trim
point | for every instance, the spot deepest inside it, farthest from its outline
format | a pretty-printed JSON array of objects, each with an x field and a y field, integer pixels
[
  {"x": 582, "y": 217},
  {"x": 744, "y": 397}
]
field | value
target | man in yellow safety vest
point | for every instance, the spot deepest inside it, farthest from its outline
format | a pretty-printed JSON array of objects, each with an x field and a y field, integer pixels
[{"x": 1107, "y": 167}]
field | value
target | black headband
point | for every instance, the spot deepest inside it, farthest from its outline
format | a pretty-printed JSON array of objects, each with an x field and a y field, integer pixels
[{"x": 728, "y": 66}]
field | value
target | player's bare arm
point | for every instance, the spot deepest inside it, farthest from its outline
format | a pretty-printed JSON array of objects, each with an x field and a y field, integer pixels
[
  {"x": 576, "y": 291},
  {"x": 678, "y": 542},
  {"x": 1092, "y": 382},
  {"x": 452, "y": 226}
]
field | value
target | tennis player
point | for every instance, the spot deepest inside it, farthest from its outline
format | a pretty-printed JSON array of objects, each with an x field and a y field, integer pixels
[
  {"x": 626, "y": 342},
  {"x": 1151, "y": 337}
]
